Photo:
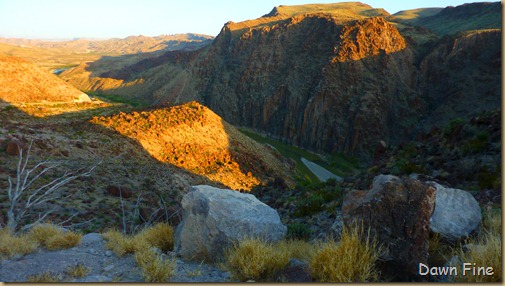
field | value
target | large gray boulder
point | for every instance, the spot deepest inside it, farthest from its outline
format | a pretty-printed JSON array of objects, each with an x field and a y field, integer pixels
[
  {"x": 457, "y": 214},
  {"x": 215, "y": 218}
]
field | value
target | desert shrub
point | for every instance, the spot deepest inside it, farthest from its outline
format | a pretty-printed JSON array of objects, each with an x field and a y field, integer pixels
[
  {"x": 54, "y": 238},
  {"x": 489, "y": 179},
  {"x": 352, "y": 259},
  {"x": 311, "y": 204},
  {"x": 255, "y": 259},
  {"x": 119, "y": 243},
  {"x": 11, "y": 245},
  {"x": 47, "y": 277},
  {"x": 299, "y": 249},
  {"x": 298, "y": 230},
  {"x": 160, "y": 235},
  {"x": 452, "y": 126},
  {"x": 78, "y": 271},
  {"x": 154, "y": 267}
]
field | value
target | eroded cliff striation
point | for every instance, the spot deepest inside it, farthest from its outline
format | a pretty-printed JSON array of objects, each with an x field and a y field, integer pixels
[{"x": 315, "y": 82}]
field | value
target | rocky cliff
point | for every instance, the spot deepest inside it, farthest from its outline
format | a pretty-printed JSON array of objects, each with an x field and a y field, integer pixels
[{"x": 333, "y": 78}]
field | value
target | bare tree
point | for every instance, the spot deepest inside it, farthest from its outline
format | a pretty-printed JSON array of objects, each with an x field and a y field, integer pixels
[{"x": 22, "y": 191}]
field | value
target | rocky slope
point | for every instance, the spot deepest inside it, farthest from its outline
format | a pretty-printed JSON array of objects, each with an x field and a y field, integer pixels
[{"x": 194, "y": 138}]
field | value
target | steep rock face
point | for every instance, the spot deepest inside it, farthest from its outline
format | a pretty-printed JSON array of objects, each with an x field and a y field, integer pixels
[
  {"x": 460, "y": 77},
  {"x": 314, "y": 81}
]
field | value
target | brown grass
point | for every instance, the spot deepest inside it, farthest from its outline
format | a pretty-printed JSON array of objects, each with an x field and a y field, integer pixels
[
  {"x": 298, "y": 249},
  {"x": 119, "y": 243},
  {"x": 485, "y": 250},
  {"x": 54, "y": 238},
  {"x": 78, "y": 271},
  {"x": 11, "y": 245},
  {"x": 349, "y": 260},
  {"x": 47, "y": 277},
  {"x": 160, "y": 235},
  {"x": 154, "y": 267},
  {"x": 255, "y": 259}
]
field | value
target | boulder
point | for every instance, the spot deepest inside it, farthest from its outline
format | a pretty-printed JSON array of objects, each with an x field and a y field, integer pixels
[
  {"x": 91, "y": 239},
  {"x": 397, "y": 211},
  {"x": 215, "y": 218},
  {"x": 457, "y": 214}
]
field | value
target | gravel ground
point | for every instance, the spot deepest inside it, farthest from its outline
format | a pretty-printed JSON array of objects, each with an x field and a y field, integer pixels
[{"x": 104, "y": 265}]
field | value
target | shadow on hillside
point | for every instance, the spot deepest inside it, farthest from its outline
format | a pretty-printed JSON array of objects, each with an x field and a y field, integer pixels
[
  {"x": 81, "y": 144},
  {"x": 129, "y": 67}
]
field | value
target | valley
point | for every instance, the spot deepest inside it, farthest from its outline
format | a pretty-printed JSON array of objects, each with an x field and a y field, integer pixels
[{"x": 322, "y": 114}]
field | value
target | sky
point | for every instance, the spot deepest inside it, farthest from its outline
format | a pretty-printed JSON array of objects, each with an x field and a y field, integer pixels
[{"x": 68, "y": 19}]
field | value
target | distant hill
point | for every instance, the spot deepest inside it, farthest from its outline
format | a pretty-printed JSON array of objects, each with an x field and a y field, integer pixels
[
  {"x": 129, "y": 45},
  {"x": 23, "y": 82},
  {"x": 450, "y": 20},
  {"x": 416, "y": 14}
]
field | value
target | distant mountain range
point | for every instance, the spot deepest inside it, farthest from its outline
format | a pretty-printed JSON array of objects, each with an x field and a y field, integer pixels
[{"x": 129, "y": 45}]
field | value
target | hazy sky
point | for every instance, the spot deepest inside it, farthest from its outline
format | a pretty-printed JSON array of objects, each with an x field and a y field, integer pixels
[{"x": 57, "y": 19}]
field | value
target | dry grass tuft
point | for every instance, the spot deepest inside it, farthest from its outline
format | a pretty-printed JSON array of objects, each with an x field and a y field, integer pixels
[
  {"x": 47, "y": 277},
  {"x": 54, "y": 238},
  {"x": 349, "y": 260},
  {"x": 44, "y": 232},
  {"x": 485, "y": 251},
  {"x": 298, "y": 249},
  {"x": 492, "y": 221},
  {"x": 160, "y": 236},
  {"x": 119, "y": 243},
  {"x": 66, "y": 240},
  {"x": 78, "y": 271},
  {"x": 11, "y": 245},
  {"x": 154, "y": 267},
  {"x": 255, "y": 259}
]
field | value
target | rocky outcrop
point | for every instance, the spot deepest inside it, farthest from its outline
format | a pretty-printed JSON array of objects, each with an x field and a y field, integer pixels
[
  {"x": 457, "y": 214},
  {"x": 215, "y": 218},
  {"x": 397, "y": 212}
]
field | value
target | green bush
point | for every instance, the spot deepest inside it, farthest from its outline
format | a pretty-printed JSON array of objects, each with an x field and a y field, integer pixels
[
  {"x": 298, "y": 230},
  {"x": 310, "y": 205}
]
